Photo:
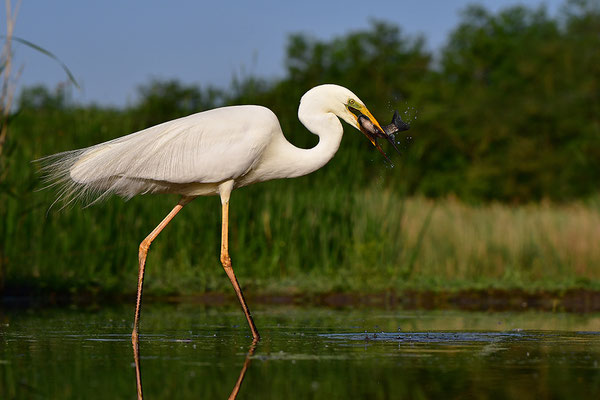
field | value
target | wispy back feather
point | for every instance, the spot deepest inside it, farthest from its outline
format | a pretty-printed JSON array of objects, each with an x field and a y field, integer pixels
[{"x": 207, "y": 147}]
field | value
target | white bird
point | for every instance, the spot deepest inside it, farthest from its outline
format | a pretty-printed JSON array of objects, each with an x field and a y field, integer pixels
[{"x": 211, "y": 153}]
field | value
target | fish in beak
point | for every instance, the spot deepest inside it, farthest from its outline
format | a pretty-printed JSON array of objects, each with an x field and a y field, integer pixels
[{"x": 372, "y": 130}]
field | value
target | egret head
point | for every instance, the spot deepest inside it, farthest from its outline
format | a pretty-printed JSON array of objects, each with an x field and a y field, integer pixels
[{"x": 347, "y": 106}]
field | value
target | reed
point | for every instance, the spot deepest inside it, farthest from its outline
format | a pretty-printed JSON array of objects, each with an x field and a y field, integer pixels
[
  {"x": 294, "y": 237},
  {"x": 347, "y": 227}
]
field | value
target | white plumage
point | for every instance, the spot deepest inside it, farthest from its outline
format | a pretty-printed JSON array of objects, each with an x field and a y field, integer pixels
[
  {"x": 209, "y": 147},
  {"x": 208, "y": 153}
]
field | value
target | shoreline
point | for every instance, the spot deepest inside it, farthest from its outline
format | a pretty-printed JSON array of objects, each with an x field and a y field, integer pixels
[{"x": 569, "y": 300}]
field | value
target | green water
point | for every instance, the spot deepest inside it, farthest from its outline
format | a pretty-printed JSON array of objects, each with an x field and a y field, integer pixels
[{"x": 194, "y": 351}]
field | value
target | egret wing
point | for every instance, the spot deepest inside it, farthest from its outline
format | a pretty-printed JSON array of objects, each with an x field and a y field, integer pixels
[{"x": 207, "y": 147}]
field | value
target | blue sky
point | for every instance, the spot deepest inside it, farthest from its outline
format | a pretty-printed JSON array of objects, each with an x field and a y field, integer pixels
[{"x": 114, "y": 46}]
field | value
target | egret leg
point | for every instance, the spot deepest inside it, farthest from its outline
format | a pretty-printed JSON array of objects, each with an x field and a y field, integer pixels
[
  {"x": 143, "y": 252},
  {"x": 226, "y": 261}
]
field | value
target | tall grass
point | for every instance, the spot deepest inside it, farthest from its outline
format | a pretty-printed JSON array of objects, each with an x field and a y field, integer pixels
[
  {"x": 329, "y": 231},
  {"x": 532, "y": 246},
  {"x": 289, "y": 237}
]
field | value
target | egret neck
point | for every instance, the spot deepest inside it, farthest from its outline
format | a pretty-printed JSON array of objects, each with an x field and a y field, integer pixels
[{"x": 284, "y": 160}]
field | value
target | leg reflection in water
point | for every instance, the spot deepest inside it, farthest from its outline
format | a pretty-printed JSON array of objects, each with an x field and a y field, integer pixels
[
  {"x": 234, "y": 392},
  {"x": 238, "y": 384},
  {"x": 138, "y": 371}
]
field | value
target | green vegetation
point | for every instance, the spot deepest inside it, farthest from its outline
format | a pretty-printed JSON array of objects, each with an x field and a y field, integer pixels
[{"x": 499, "y": 188}]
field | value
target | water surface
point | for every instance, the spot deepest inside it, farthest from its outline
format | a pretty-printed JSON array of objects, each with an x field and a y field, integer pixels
[{"x": 193, "y": 351}]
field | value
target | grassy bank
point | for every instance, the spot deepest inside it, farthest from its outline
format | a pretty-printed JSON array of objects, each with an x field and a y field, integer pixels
[{"x": 287, "y": 237}]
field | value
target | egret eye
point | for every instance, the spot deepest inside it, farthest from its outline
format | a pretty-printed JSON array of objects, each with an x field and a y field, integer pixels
[{"x": 351, "y": 102}]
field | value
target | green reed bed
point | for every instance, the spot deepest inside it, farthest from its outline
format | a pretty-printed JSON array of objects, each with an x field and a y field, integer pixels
[
  {"x": 296, "y": 237},
  {"x": 347, "y": 227}
]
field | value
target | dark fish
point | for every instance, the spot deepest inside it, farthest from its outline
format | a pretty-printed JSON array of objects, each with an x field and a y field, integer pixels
[
  {"x": 368, "y": 127},
  {"x": 373, "y": 132},
  {"x": 397, "y": 125}
]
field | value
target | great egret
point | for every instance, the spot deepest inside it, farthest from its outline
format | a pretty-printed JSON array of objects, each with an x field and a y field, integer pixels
[{"x": 210, "y": 153}]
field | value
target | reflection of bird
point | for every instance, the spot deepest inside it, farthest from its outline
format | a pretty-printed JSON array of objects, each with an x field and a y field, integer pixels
[
  {"x": 211, "y": 153},
  {"x": 236, "y": 387}
]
